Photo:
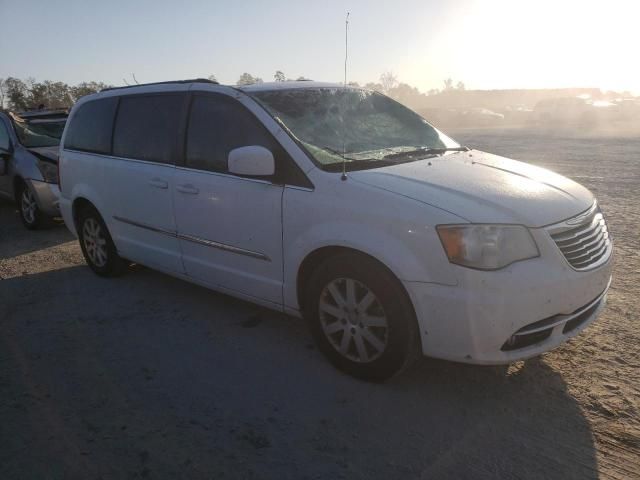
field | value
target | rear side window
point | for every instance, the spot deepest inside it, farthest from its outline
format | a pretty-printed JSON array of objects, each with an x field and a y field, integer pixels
[
  {"x": 217, "y": 125},
  {"x": 90, "y": 127},
  {"x": 147, "y": 127}
]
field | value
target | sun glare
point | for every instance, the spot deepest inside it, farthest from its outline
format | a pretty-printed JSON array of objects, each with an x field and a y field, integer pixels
[{"x": 542, "y": 44}]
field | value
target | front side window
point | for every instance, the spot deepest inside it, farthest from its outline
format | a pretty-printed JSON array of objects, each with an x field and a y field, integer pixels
[
  {"x": 350, "y": 124},
  {"x": 89, "y": 128},
  {"x": 147, "y": 127},
  {"x": 217, "y": 125}
]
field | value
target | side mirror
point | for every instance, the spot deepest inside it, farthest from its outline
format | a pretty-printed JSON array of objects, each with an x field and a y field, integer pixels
[{"x": 254, "y": 161}]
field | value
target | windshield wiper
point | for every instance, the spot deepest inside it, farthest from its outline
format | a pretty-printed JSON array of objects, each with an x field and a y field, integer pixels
[
  {"x": 424, "y": 151},
  {"x": 341, "y": 154},
  {"x": 360, "y": 164}
]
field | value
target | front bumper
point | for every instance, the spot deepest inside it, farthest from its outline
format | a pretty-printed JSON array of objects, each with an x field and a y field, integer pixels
[
  {"x": 475, "y": 321},
  {"x": 47, "y": 196}
]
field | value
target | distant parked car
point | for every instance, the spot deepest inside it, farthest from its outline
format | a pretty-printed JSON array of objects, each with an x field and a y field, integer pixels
[
  {"x": 29, "y": 163},
  {"x": 342, "y": 206}
]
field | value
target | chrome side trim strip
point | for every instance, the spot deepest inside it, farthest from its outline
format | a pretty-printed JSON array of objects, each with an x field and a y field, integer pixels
[
  {"x": 224, "y": 246},
  {"x": 198, "y": 240},
  {"x": 146, "y": 226}
]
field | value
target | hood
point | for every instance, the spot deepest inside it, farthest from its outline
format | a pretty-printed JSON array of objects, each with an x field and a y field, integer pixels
[
  {"x": 48, "y": 154},
  {"x": 484, "y": 188}
]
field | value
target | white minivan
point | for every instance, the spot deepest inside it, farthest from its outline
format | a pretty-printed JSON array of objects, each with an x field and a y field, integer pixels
[{"x": 339, "y": 205}]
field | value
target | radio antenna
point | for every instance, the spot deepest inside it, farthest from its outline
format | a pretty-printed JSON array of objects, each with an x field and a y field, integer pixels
[
  {"x": 346, "y": 56},
  {"x": 346, "y": 47}
]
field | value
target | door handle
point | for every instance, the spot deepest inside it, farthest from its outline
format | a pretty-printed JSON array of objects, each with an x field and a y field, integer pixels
[
  {"x": 156, "y": 182},
  {"x": 188, "y": 188}
]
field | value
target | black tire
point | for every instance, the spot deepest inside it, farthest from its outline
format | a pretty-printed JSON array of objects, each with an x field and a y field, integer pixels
[
  {"x": 30, "y": 214},
  {"x": 400, "y": 335},
  {"x": 93, "y": 231}
]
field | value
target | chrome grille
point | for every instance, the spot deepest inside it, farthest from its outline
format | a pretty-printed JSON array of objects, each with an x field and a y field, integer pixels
[{"x": 583, "y": 240}]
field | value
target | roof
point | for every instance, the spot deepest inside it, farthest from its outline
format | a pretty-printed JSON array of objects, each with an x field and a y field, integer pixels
[{"x": 268, "y": 86}]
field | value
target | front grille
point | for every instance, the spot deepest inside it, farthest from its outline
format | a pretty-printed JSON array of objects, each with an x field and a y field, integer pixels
[{"x": 583, "y": 240}]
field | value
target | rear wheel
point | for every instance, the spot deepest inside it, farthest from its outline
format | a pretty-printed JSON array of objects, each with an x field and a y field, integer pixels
[
  {"x": 361, "y": 317},
  {"x": 97, "y": 246},
  {"x": 30, "y": 213}
]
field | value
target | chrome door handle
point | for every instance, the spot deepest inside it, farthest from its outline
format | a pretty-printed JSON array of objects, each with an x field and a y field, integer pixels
[
  {"x": 156, "y": 182},
  {"x": 188, "y": 188}
]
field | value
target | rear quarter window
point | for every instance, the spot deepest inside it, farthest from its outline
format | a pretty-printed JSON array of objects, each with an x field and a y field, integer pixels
[
  {"x": 90, "y": 127},
  {"x": 148, "y": 127}
]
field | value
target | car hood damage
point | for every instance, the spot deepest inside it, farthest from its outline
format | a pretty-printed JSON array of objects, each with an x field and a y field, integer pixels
[
  {"x": 484, "y": 188},
  {"x": 47, "y": 154}
]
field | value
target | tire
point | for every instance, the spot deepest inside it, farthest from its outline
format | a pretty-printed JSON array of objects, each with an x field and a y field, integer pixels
[
  {"x": 373, "y": 342},
  {"x": 30, "y": 214},
  {"x": 97, "y": 245}
]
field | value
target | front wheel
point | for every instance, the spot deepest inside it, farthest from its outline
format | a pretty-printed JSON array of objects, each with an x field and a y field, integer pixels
[
  {"x": 30, "y": 213},
  {"x": 97, "y": 245},
  {"x": 361, "y": 318}
]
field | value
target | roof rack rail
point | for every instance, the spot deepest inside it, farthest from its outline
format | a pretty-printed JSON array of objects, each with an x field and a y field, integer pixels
[{"x": 192, "y": 80}]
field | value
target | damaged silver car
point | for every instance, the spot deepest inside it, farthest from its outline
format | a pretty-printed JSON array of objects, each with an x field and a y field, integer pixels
[{"x": 29, "y": 163}]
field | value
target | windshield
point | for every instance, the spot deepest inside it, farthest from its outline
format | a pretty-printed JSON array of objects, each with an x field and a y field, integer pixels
[
  {"x": 40, "y": 134},
  {"x": 351, "y": 124}
]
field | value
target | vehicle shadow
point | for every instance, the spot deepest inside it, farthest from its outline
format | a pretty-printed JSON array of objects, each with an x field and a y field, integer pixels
[
  {"x": 148, "y": 376},
  {"x": 16, "y": 240}
]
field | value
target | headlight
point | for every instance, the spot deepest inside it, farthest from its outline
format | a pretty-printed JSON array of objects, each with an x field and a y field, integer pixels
[
  {"x": 487, "y": 247},
  {"x": 49, "y": 171}
]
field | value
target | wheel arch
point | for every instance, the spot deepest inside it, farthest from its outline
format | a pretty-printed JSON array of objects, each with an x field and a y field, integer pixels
[
  {"x": 79, "y": 204},
  {"x": 17, "y": 183},
  {"x": 318, "y": 256}
]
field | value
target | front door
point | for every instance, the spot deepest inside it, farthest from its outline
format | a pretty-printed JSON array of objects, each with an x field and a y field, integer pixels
[{"x": 229, "y": 227}]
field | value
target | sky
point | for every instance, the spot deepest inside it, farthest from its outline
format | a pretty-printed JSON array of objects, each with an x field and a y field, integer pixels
[{"x": 487, "y": 44}]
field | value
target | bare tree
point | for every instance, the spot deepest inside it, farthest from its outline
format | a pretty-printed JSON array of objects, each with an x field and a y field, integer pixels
[
  {"x": 460, "y": 86},
  {"x": 212, "y": 77},
  {"x": 448, "y": 84},
  {"x": 388, "y": 81},
  {"x": 279, "y": 76}
]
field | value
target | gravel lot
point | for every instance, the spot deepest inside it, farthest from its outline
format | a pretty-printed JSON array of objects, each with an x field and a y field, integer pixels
[{"x": 146, "y": 376}]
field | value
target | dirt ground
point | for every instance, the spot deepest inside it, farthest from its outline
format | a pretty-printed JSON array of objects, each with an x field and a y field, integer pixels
[{"x": 146, "y": 376}]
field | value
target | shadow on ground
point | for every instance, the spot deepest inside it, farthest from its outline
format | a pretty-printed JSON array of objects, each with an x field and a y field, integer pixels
[
  {"x": 16, "y": 240},
  {"x": 146, "y": 376}
]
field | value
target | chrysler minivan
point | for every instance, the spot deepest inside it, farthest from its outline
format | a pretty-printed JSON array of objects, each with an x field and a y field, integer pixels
[{"x": 341, "y": 206}]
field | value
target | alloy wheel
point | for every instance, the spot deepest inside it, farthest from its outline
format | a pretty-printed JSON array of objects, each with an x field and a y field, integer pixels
[
  {"x": 353, "y": 320},
  {"x": 95, "y": 242},
  {"x": 28, "y": 205}
]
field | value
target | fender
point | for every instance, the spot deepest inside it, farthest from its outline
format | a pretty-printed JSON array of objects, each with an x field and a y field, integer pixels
[{"x": 401, "y": 245}]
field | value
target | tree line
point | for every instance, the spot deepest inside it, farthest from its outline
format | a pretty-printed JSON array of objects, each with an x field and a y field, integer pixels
[{"x": 19, "y": 95}]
